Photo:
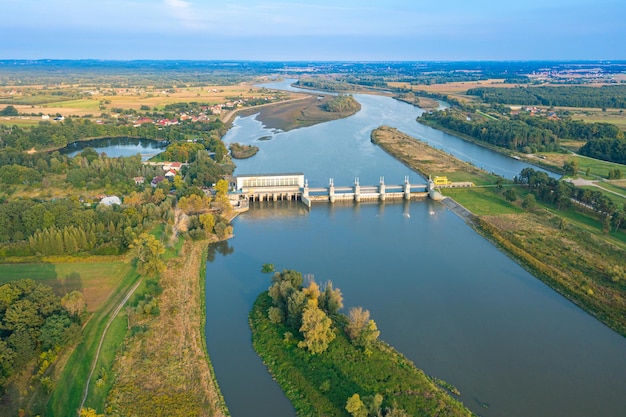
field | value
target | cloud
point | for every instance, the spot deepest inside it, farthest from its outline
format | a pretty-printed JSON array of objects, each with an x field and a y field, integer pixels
[
  {"x": 177, "y": 4},
  {"x": 183, "y": 11}
]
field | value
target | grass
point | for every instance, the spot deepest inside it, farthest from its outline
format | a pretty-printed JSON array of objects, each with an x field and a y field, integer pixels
[
  {"x": 162, "y": 368},
  {"x": 321, "y": 384},
  {"x": 481, "y": 201},
  {"x": 567, "y": 249},
  {"x": 67, "y": 395},
  {"x": 96, "y": 280},
  {"x": 427, "y": 160},
  {"x": 597, "y": 168}
]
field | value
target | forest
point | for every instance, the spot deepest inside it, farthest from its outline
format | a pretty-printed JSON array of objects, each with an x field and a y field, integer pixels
[
  {"x": 522, "y": 132},
  {"x": 613, "y": 96},
  {"x": 35, "y": 324},
  {"x": 606, "y": 149}
]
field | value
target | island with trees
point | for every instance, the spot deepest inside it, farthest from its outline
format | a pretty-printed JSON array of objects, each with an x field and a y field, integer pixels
[{"x": 334, "y": 365}]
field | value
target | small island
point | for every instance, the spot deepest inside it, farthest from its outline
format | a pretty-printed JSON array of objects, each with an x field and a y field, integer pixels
[
  {"x": 239, "y": 151},
  {"x": 334, "y": 365},
  {"x": 305, "y": 111}
]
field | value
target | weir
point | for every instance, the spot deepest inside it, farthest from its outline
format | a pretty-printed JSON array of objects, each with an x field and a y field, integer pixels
[{"x": 293, "y": 186}]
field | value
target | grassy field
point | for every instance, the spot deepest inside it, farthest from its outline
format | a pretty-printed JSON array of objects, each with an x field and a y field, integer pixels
[
  {"x": 482, "y": 201},
  {"x": 71, "y": 378},
  {"x": 182, "y": 384},
  {"x": 96, "y": 280},
  {"x": 427, "y": 160},
  {"x": 597, "y": 168},
  {"x": 103, "y": 283},
  {"x": 454, "y": 89}
]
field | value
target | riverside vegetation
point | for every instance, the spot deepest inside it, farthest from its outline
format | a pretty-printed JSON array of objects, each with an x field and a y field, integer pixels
[
  {"x": 333, "y": 365},
  {"x": 572, "y": 239},
  {"x": 52, "y": 231}
]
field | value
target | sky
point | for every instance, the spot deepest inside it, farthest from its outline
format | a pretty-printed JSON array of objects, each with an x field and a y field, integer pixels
[{"x": 348, "y": 30}]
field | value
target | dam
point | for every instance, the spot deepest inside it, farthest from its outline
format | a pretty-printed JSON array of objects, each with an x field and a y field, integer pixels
[{"x": 294, "y": 186}]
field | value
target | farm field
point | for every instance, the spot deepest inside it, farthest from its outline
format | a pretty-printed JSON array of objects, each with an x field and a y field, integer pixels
[{"x": 95, "y": 103}]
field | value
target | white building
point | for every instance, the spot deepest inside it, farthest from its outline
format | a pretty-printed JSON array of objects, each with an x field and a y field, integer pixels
[
  {"x": 269, "y": 180},
  {"x": 109, "y": 201}
]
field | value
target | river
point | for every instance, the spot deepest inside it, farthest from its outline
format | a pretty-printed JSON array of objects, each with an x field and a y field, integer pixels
[{"x": 451, "y": 302}]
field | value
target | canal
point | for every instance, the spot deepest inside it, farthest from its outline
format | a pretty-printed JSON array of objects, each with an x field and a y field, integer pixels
[{"x": 440, "y": 294}]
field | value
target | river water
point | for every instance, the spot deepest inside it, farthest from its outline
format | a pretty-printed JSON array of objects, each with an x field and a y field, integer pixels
[{"x": 440, "y": 294}]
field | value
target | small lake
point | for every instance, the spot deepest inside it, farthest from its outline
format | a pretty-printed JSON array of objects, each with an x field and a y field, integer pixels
[
  {"x": 116, "y": 147},
  {"x": 442, "y": 295}
]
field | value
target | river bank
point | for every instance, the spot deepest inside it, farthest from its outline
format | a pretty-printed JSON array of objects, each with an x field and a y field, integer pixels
[
  {"x": 554, "y": 247},
  {"x": 184, "y": 382}
]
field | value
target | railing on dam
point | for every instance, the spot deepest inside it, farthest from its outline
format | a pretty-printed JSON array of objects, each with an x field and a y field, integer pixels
[{"x": 332, "y": 193}]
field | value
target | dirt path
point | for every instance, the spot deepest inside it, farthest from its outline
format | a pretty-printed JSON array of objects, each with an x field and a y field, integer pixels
[{"x": 104, "y": 333}]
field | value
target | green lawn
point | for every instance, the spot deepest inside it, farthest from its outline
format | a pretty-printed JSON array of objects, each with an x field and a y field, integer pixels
[
  {"x": 597, "y": 167},
  {"x": 481, "y": 201}
]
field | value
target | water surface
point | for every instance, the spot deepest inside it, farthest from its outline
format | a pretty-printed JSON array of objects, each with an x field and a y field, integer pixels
[{"x": 440, "y": 293}]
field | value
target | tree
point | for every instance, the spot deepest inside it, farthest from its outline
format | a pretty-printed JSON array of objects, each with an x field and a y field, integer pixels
[
  {"x": 355, "y": 406},
  {"x": 331, "y": 299},
  {"x": 510, "y": 194},
  {"x": 194, "y": 203},
  {"x": 316, "y": 328},
  {"x": 89, "y": 412},
  {"x": 529, "y": 202},
  {"x": 208, "y": 222},
  {"x": 361, "y": 330},
  {"x": 74, "y": 303},
  {"x": 570, "y": 167},
  {"x": 9, "y": 111},
  {"x": 148, "y": 250}
]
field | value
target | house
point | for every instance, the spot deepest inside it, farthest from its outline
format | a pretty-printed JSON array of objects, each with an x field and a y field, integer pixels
[
  {"x": 139, "y": 180},
  {"x": 170, "y": 174},
  {"x": 169, "y": 166},
  {"x": 109, "y": 201},
  {"x": 156, "y": 180}
]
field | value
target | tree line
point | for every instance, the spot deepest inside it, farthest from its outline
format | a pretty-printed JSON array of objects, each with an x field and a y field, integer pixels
[
  {"x": 613, "y": 96},
  {"x": 510, "y": 134},
  {"x": 521, "y": 132},
  {"x": 56, "y": 135}
]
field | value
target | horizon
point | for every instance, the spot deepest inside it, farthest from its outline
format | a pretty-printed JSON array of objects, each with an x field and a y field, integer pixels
[{"x": 321, "y": 31}]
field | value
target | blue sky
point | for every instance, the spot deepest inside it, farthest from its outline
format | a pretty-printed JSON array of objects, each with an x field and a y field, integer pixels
[{"x": 313, "y": 30}]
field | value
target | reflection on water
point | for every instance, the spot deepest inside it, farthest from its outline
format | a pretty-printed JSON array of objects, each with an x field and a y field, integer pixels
[
  {"x": 441, "y": 294},
  {"x": 116, "y": 147}
]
